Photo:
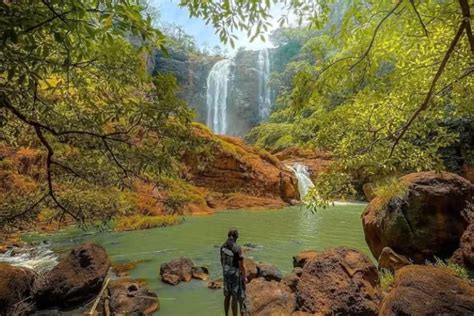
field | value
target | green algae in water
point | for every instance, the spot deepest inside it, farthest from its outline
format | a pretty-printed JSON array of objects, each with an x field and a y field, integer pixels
[{"x": 278, "y": 234}]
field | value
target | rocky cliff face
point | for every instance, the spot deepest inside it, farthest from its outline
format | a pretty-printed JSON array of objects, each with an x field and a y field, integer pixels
[{"x": 192, "y": 71}]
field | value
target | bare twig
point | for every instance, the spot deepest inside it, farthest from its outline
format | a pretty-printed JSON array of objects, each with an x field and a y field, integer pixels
[{"x": 425, "y": 30}]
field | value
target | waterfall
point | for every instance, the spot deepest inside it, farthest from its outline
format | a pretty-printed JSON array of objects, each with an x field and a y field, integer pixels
[
  {"x": 304, "y": 181},
  {"x": 217, "y": 89},
  {"x": 264, "y": 92}
]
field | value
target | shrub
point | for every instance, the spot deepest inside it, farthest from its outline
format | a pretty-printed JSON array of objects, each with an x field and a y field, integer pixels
[
  {"x": 386, "y": 280},
  {"x": 138, "y": 222},
  {"x": 454, "y": 268}
]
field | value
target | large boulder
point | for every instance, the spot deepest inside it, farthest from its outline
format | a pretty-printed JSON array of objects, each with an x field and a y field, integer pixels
[
  {"x": 425, "y": 222},
  {"x": 339, "y": 281},
  {"x": 177, "y": 270},
  {"x": 128, "y": 297},
  {"x": 15, "y": 285},
  {"x": 239, "y": 168},
  {"x": 428, "y": 290},
  {"x": 465, "y": 254},
  {"x": 251, "y": 269},
  {"x": 269, "y": 298},
  {"x": 75, "y": 279},
  {"x": 200, "y": 273}
]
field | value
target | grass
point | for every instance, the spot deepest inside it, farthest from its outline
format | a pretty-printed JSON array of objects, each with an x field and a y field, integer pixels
[
  {"x": 139, "y": 222},
  {"x": 386, "y": 279},
  {"x": 389, "y": 189},
  {"x": 454, "y": 268}
]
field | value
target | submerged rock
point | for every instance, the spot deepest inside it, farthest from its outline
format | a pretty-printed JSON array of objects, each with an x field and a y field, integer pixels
[
  {"x": 76, "y": 279},
  {"x": 216, "y": 284},
  {"x": 428, "y": 290},
  {"x": 15, "y": 285},
  {"x": 128, "y": 297},
  {"x": 427, "y": 221},
  {"x": 269, "y": 298},
  {"x": 177, "y": 270},
  {"x": 200, "y": 273},
  {"x": 338, "y": 281}
]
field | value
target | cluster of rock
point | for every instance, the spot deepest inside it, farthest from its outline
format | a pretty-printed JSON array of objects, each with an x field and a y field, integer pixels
[
  {"x": 182, "y": 270},
  {"x": 75, "y": 280}
]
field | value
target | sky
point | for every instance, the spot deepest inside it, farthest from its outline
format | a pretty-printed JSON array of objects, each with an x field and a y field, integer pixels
[{"x": 204, "y": 34}]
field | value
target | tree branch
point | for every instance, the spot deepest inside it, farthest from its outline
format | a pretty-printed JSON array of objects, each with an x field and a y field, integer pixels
[
  {"x": 377, "y": 28},
  {"x": 425, "y": 30},
  {"x": 430, "y": 93}
]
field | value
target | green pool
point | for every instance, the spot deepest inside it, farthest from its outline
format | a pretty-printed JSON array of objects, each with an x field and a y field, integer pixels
[{"x": 278, "y": 234}]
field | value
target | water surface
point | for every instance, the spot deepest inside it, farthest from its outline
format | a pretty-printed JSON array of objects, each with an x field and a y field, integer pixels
[{"x": 278, "y": 234}]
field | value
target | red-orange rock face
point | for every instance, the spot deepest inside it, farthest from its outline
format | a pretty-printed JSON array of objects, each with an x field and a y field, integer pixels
[
  {"x": 239, "y": 169},
  {"x": 338, "y": 281},
  {"x": 427, "y": 222}
]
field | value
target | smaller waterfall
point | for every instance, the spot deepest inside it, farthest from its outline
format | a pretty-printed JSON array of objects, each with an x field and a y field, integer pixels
[
  {"x": 217, "y": 90},
  {"x": 39, "y": 259},
  {"x": 264, "y": 91},
  {"x": 304, "y": 181}
]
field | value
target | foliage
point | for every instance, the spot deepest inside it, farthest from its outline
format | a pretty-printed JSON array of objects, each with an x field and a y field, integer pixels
[
  {"x": 139, "y": 222},
  {"x": 380, "y": 90},
  {"x": 390, "y": 188},
  {"x": 386, "y": 279},
  {"x": 74, "y": 89}
]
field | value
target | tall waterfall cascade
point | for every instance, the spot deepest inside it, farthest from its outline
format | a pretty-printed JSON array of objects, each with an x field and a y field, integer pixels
[
  {"x": 217, "y": 91},
  {"x": 264, "y": 91},
  {"x": 302, "y": 175}
]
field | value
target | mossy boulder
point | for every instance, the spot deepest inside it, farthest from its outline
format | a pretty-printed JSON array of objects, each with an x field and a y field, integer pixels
[{"x": 425, "y": 222}]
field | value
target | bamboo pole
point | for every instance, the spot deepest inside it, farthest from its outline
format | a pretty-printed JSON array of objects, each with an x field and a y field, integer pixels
[{"x": 97, "y": 300}]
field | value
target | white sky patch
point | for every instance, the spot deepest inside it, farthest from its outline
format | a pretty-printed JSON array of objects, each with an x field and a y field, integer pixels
[{"x": 205, "y": 36}]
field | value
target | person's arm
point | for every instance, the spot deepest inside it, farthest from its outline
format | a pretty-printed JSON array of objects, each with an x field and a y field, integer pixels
[{"x": 241, "y": 265}]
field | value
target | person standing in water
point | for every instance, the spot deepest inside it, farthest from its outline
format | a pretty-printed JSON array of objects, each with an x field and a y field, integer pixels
[{"x": 233, "y": 271}]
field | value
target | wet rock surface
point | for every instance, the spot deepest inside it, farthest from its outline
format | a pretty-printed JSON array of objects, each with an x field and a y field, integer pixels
[
  {"x": 177, "y": 270},
  {"x": 269, "y": 272},
  {"x": 427, "y": 222},
  {"x": 77, "y": 278},
  {"x": 300, "y": 259},
  {"x": 465, "y": 254},
  {"x": 182, "y": 270},
  {"x": 338, "y": 281},
  {"x": 428, "y": 290}
]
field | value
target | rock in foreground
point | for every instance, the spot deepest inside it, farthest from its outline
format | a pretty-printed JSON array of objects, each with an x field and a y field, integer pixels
[
  {"x": 128, "y": 297},
  {"x": 426, "y": 222},
  {"x": 339, "y": 281},
  {"x": 427, "y": 290},
  {"x": 15, "y": 285},
  {"x": 269, "y": 298},
  {"x": 76, "y": 279}
]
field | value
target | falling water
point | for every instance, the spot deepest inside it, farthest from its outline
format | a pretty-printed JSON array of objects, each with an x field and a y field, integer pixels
[
  {"x": 217, "y": 89},
  {"x": 264, "y": 92},
  {"x": 39, "y": 259},
  {"x": 304, "y": 181}
]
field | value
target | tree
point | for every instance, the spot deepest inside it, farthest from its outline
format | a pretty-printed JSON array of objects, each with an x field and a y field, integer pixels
[
  {"x": 73, "y": 85},
  {"x": 379, "y": 93}
]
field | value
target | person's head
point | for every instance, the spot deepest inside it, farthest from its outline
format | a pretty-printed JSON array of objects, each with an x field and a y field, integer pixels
[{"x": 233, "y": 233}]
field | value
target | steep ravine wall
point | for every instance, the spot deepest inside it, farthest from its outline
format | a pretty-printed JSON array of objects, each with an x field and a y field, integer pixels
[{"x": 192, "y": 71}]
